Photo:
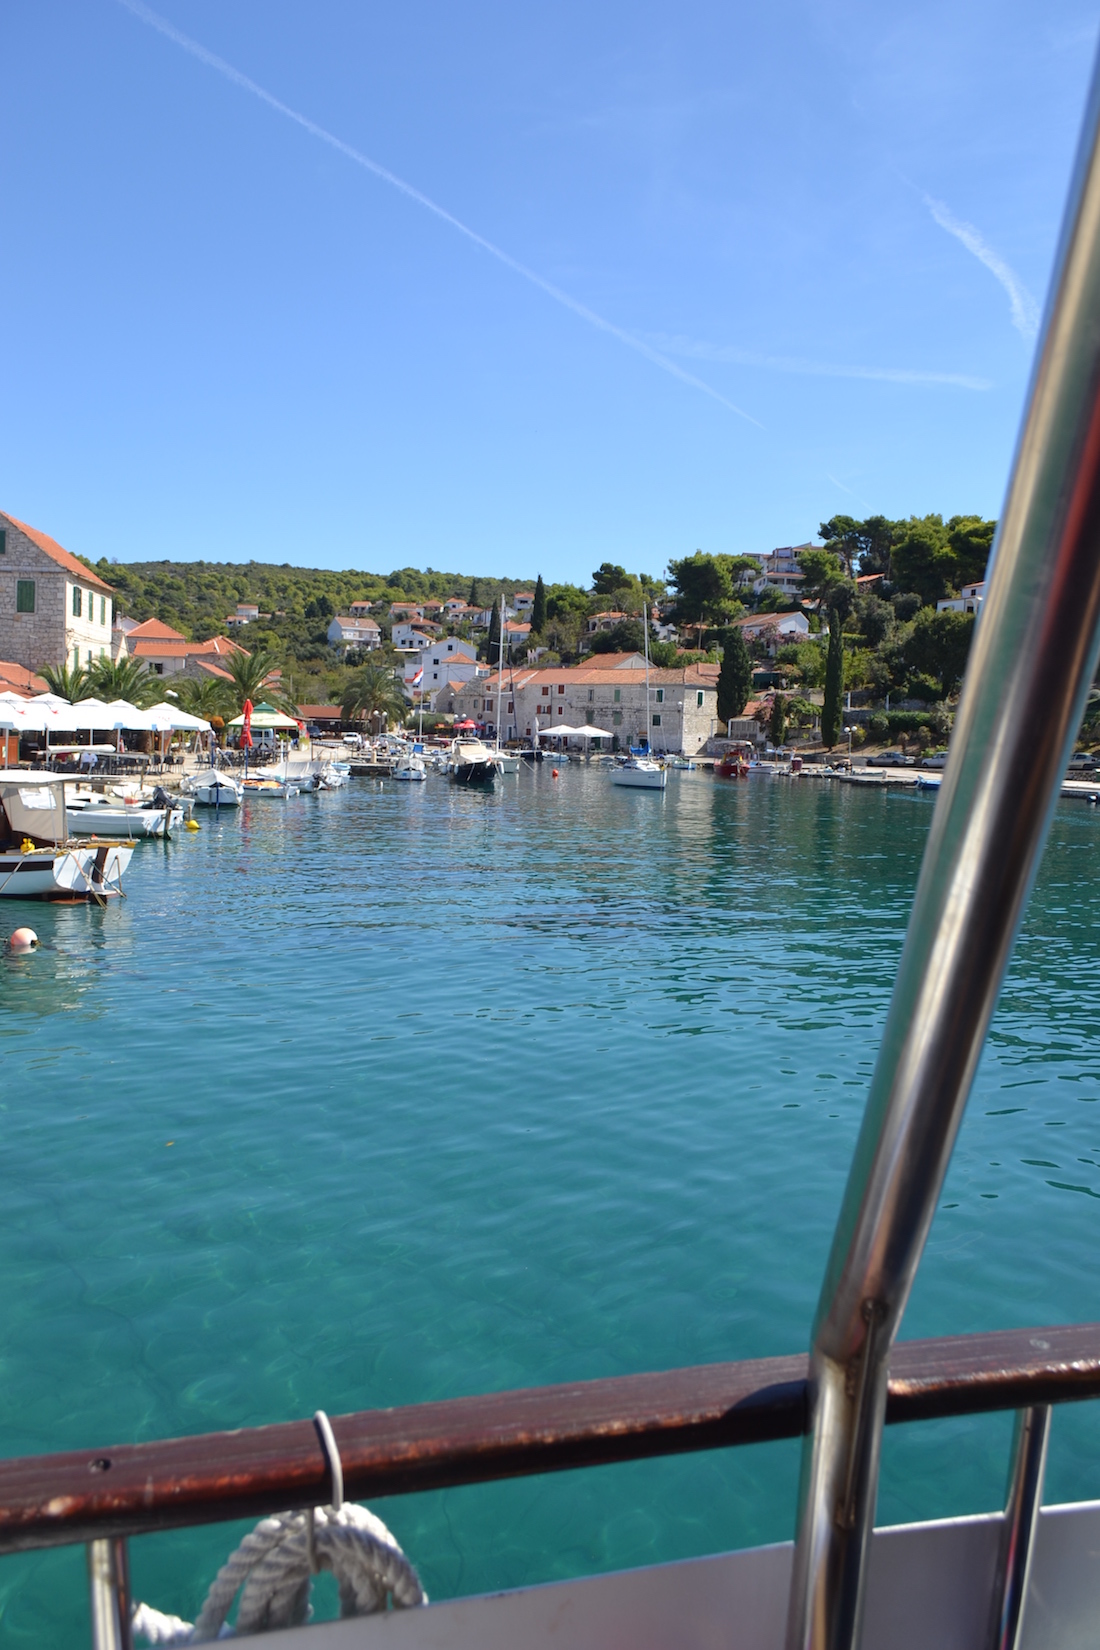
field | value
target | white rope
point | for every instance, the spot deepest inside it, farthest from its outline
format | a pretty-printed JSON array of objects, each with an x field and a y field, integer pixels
[{"x": 271, "y": 1571}]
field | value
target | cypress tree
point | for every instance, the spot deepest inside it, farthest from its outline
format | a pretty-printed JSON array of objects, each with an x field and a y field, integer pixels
[
  {"x": 735, "y": 676},
  {"x": 494, "y": 633},
  {"x": 538, "y": 607},
  {"x": 834, "y": 681},
  {"x": 777, "y": 723}
]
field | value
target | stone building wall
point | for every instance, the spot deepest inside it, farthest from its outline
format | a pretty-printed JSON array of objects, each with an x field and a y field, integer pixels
[{"x": 49, "y": 635}]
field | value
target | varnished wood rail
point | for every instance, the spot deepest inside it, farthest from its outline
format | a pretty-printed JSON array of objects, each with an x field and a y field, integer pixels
[{"x": 131, "y": 1489}]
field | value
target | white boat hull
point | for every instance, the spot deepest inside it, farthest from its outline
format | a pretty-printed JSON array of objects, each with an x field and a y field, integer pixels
[
  {"x": 640, "y": 779},
  {"x": 65, "y": 873},
  {"x": 219, "y": 791},
  {"x": 127, "y": 823}
]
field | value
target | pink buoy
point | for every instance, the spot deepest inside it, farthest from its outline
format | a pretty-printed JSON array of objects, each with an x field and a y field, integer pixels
[{"x": 24, "y": 939}]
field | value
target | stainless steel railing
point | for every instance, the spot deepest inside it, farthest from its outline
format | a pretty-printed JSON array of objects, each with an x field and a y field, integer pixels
[{"x": 1033, "y": 657}]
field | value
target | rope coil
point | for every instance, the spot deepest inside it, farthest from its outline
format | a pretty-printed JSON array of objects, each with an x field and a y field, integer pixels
[{"x": 273, "y": 1567}]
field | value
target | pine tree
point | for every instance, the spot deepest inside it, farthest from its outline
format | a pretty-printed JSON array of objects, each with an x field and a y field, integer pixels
[
  {"x": 735, "y": 676},
  {"x": 538, "y": 608},
  {"x": 834, "y": 681}
]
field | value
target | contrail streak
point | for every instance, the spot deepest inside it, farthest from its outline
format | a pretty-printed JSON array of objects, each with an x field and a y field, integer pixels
[
  {"x": 701, "y": 351},
  {"x": 1025, "y": 311},
  {"x": 161, "y": 24}
]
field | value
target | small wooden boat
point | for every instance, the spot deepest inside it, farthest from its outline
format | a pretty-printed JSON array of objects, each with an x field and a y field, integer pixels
[{"x": 38, "y": 857}]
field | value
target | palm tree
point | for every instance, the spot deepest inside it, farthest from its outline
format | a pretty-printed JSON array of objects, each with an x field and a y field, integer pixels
[
  {"x": 67, "y": 681},
  {"x": 373, "y": 692},
  {"x": 205, "y": 696},
  {"x": 125, "y": 679},
  {"x": 250, "y": 672}
]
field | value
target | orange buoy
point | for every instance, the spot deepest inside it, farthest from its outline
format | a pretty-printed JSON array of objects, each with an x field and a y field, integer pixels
[
  {"x": 24, "y": 939},
  {"x": 554, "y": 773}
]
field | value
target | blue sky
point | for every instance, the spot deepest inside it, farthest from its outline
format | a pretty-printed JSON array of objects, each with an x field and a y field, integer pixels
[{"x": 225, "y": 337}]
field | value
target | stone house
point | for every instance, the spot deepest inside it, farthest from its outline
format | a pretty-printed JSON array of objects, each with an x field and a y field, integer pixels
[
  {"x": 165, "y": 652},
  {"x": 53, "y": 609},
  {"x": 681, "y": 716}
]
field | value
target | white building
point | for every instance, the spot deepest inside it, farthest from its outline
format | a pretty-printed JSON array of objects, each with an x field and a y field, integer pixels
[
  {"x": 780, "y": 569},
  {"x": 448, "y": 660},
  {"x": 969, "y": 600},
  {"x": 775, "y": 630},
  {"x": 413, "y": 636},
  {"x": 354, "y": 630}
]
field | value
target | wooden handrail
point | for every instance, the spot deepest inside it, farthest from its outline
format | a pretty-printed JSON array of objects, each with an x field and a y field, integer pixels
[{"x": 52, "y": 1500}]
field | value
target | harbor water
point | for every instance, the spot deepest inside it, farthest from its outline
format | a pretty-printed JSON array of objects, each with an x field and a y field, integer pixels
[{"x": 400, "y": 1093}]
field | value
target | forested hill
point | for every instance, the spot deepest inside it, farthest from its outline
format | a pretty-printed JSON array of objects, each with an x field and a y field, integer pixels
[{"x": 196, "y": 596}]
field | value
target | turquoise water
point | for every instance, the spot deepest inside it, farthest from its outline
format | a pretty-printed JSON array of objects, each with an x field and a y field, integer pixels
[{"x": 398, "y": 1093}]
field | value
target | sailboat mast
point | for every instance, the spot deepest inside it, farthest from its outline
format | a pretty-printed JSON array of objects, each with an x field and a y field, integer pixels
[
  {"x": 645, "y": 635},
  {"x": 500, "y": 666}
]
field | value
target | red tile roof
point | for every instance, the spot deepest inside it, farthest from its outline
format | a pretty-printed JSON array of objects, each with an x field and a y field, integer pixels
[
  {"x": 50, "y": 547},
  {"x": 18, "y": 679},
  {"x": 320, "y": 713},
  {"x": 212, "y": 670},
  {"x": 151, "y": 647},
  {"x": 154, "y": 627}
]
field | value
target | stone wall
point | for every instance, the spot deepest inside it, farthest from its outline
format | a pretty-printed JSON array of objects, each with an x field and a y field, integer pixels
[{"x": 49, "y": 634}]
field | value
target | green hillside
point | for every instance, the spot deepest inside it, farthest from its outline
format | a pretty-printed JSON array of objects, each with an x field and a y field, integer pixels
[{"x": 196, "y": 597}]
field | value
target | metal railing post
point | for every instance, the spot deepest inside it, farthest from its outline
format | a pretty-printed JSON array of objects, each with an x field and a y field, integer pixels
[
  {"x": 1032, "y": 660},
  {"x": 109, "y": 1594},
  {"x": 1021, "y": 1523}
]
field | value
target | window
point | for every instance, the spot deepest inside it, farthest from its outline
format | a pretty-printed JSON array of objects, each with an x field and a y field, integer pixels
[
  {"x": 618, "y": 696},
  {"x": 89, "y": 658},
  {"x": 3, "y": 541},
  {"x": 24, "y": 596},
  {"x": 76, "y": 658},
  {"x": 657, "y": 720},
  {"x": 561, "y": 687},
  {"x": 102, "y": 609},
  {"x": 699, "y": 699},
  {"x": 77, "y": 601},
  {"x": 511, "y": 706},
  {"x": 591, "y": 695},
  {"x": 660, "y": 696},
  {"x": 617, "y": 718},
  {"x": 546, "y": 692},
  {"x": 158, "y": 670}
]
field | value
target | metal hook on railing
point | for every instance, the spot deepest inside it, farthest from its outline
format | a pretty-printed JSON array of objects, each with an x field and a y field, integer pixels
[{"x": 327, "y": 1439}]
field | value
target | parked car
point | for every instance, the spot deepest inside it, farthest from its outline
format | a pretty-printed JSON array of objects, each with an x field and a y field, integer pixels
[
  {"x": 355, "y": 740},
  {"x": 938, "y": 759},
  {"x": 1081, "y": 761},
  {"x": 891, "y": 759}
]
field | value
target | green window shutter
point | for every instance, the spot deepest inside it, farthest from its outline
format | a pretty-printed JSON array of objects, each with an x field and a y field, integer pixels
[
  {"x": 76, "y": 602},
  {"x": 102, "y": 609},
  {"x": 24, "y": 596},
  {"x": 3, "y": 541}
]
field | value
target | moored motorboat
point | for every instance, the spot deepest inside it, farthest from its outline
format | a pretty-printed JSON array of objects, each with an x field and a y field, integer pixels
[
  {"x": 211, "y": 788},
  {"x": 38, "y": 858},
  {"x": 640, "y": 773},
  {"x": 473, "y": 763},
  {"x": 410, "y": 769}
]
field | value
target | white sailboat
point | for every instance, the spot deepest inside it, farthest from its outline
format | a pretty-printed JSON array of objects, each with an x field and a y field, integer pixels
[
  {"x": 640, "y": 772},
  {"x": 508, "y": 760}
]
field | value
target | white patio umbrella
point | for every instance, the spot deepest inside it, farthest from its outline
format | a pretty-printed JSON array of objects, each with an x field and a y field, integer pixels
[
  {"x": 589, "y": 732},
  {"x": 167, "y": 718}
]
